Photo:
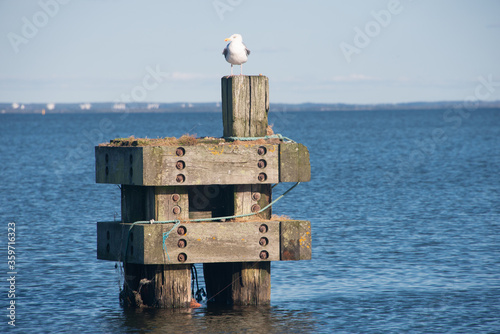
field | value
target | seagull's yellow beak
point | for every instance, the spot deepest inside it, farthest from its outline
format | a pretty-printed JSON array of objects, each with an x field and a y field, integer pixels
[{"x": 227, "y": 39}]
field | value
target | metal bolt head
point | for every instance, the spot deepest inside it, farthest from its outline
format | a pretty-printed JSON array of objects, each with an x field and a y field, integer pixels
[
  {"x": 180, "y": 178},
  {"x": 263, "y": 228},
  {"x": 261, "y": 150},
  {"x": 176, "y": 197},
  {"x": 262, "y": 163},
  {"x": 181, "y": 243},
  {"x": 264, "y": 255},
  {"x": 262, "y": 177},
  {"x": 180, "y": 165},
  {"x": 176, "y": 210},
  {"x": 180, "y": 151},
  {"x": 255, "y": 208},
  {"x": 182, "y": 257},
  {"x": 263, "y": 241},
  {"x": 181, "y": 230},
  {"x": 256, "y": 196}
]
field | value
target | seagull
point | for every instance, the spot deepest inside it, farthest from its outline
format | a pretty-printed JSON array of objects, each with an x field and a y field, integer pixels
[{"x": 236, "y": 53}]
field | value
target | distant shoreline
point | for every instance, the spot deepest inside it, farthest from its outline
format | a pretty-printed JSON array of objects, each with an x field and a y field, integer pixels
[{"x": 110, "y": 107}]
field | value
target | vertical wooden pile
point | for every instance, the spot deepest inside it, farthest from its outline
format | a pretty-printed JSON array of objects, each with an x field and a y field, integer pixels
[
  {"x": 155, "y": 285},
  {"x": 245, "y": 107}
]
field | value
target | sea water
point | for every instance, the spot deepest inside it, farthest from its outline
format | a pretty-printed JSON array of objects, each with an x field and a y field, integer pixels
[{"x": 404, "y": 208}]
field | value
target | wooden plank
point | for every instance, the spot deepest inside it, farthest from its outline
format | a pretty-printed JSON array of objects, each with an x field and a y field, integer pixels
[
  {"x": 119, "y": 165},
  {"x": 245, "y": 104},
  {"x": 110, "y": 241},
  {"x": 199, "y": 165},
  {"x": 294, "y": 163},
  {"x": 203, "y": 242},
  {"x": 213, "y": 164},
  {"x": 295, "y": 240}
]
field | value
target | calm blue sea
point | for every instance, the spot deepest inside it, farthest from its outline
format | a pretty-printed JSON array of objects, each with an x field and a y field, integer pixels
[{"x": 404, "y": 207}]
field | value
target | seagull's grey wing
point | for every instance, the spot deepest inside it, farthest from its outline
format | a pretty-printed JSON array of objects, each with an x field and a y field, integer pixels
[
  {"x": 248, "y": 51},
  {"x": 224, "y": 52}
]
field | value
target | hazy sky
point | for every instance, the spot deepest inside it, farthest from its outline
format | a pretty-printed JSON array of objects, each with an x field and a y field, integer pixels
[{"x": 312, "y": 51}]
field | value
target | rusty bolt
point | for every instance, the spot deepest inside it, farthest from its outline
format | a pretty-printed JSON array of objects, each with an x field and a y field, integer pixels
[
  {"x": 263, "y": 255},
  {"x": 261, "y": 150},
  {"x": 181, "y": 230},
  {"x": 256, "y": 196},
  {"x": 262, "y": 177},
  {"x": 263, "y": 228},
  {"x": 262, "y": 163},
  {"x": 182, "y": 257},
  {"x": 180, "y": 164},
  {"x": 255, "y": 208},
  {"x": 176, "y": 210},
  {"x": 180, "y": 151},
  {"x": 263, "y": 241},
  {"x": 176, "y": 197},
  {"x": 181, "y": 243},
  {"x": 180, "y": 178}
]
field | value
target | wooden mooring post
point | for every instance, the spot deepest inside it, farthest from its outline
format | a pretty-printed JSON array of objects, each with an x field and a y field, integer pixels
[{"x": 172, "y": 193}]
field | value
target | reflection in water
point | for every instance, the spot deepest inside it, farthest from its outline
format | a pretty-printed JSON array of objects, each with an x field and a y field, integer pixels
[{"x": 262, "y": 319}]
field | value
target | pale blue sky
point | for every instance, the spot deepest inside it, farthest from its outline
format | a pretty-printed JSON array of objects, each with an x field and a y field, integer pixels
[{"x": 97, "y": 51}]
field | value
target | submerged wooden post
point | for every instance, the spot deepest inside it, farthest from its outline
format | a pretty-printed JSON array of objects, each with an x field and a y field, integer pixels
[
  {"x": 154, "y": 285},
  {"x": 245, "y": 106}
]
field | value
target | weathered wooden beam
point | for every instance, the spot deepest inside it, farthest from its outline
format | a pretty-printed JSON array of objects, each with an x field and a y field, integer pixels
[
  {"x": 245, "y": 104},
  {"x": 188, "y": 165},
  {"x": 295, "y": 240},
  {"x": 294, "y": 163},
  {"x": 208, "y": 242}
]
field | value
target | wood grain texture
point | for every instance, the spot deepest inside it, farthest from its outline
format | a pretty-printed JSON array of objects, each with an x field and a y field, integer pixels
[
  {"x": 294, "y": 163},
  {"x": 155, "y": 284},
  {"x": 295, "y": 240},
  {"x": 203, "y": 165},
  {"x": 245, "y": 105},
  {"x": 204, "y": 242}
]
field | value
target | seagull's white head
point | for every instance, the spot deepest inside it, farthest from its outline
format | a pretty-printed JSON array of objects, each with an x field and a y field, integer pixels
[{"x": 235, "y": 37}]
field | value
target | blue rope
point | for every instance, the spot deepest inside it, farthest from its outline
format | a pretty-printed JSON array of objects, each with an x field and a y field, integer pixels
[{"x": 165, "y": 236}]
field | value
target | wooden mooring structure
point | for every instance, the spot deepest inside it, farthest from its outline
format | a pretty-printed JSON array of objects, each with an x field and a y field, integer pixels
[{"x": 207, "y": 201}]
